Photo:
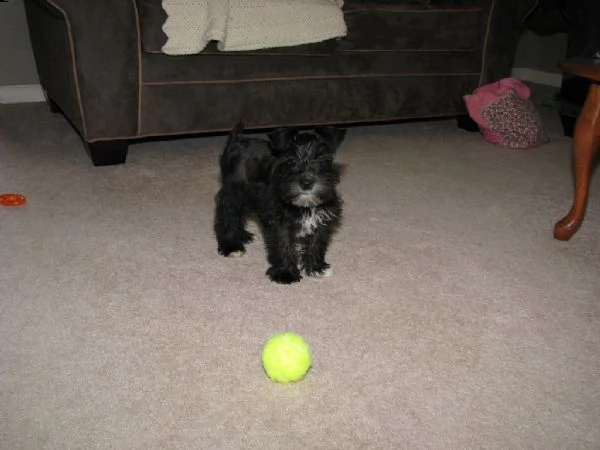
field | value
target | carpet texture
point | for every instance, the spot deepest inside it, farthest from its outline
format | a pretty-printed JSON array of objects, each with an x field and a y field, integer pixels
[{"x": 453, "y": 319}]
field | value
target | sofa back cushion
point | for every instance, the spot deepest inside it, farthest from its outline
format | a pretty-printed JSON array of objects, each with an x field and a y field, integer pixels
[{"x": 153, "y": 16}]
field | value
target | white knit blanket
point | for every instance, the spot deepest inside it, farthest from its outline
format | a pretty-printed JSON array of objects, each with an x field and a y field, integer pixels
[{"x": 249, "y": 24}]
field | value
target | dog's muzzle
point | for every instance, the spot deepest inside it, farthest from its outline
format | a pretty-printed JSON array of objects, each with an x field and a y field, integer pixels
[{"x": 307, "y": 198}]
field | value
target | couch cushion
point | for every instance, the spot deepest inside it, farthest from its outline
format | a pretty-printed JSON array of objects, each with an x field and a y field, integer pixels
[
  {"x": 160, "y": 69},
  {"x": 264, "y": 104},
  {"x": 153, "y": 16},
  {"x": 389, "y": 26}
]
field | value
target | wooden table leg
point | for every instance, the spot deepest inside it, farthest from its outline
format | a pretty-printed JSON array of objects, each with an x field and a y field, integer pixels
[{"x": 585, "y": 145}]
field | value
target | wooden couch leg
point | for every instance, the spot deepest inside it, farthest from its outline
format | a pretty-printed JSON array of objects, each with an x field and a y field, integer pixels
[{"x": 108, "y": 153}]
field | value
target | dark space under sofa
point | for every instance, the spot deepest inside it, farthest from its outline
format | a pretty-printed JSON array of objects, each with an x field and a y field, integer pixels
[{"x": 100, "y": 63}]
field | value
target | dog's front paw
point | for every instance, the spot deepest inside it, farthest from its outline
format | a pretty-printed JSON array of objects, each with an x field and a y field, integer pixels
[
  {"x": 233, "y": 251},
  {"x": 323, "y": 270},
  {"x": 284, "y": 275}
]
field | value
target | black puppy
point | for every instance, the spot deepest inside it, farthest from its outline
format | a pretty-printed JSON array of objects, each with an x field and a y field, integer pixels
[{"x": 289, "y": 182}]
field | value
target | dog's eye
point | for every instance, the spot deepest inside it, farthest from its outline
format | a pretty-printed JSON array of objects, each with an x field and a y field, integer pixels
[
  {"x": 324, "y": 160},
  {"x": 291, "y": 163}
]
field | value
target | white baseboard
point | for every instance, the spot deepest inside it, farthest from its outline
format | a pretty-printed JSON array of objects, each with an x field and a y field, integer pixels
[
  {"x": 22, "y": 93},
  {"x": 537, "y": 76}
]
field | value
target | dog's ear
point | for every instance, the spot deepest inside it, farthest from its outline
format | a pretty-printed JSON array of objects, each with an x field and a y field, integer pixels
[
  {"x": 236, "y": 133},
  {"x": 332, "y": 135},
  {"x": 281, "y": 138}
]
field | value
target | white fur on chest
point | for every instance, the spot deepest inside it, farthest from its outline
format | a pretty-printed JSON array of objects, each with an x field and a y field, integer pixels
[{"x": 312, "y": 219}]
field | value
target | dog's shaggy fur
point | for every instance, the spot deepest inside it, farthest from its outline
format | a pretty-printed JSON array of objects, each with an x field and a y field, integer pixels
[{"x": 289, "y": 183}]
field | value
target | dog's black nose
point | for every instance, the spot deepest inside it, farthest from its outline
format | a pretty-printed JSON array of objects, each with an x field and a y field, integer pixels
[{"x": 306, "y": 184}]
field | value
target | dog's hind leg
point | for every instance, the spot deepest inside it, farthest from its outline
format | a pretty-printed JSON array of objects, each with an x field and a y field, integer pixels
[{"x": 230, "y": 223}]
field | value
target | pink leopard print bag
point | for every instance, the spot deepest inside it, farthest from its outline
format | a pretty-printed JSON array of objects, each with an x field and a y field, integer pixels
[{"x": 505, "y": 114}]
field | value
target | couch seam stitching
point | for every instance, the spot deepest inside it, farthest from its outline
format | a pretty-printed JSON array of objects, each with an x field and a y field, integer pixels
[
  {"x": 304, "y": 78},
  {"x": 485, "y": 44},
  {"x": 74, "y": 66},
  {"x": 267, "y": 126},
  {"x": 139, "y": 64}
]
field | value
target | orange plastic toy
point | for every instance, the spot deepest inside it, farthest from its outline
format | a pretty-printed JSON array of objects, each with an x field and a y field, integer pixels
[{"x": 12, "y": 199}]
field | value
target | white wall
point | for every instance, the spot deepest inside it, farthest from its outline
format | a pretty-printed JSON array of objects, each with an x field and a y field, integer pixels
[
  {"x": 537, "y": 57},
  {"x": 17, "y": 65}
]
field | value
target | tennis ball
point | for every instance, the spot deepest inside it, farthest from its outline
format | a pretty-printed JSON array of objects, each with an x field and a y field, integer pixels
[{"x": 286, "y": 357}]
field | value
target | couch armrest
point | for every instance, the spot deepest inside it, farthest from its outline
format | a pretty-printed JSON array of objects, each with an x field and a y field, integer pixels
[
  {"x": 88, "y": 59},
  {"x": 505, "y": 24}
]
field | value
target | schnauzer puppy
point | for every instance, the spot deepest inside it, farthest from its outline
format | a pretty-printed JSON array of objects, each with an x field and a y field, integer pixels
[{"x": 289, "y": 183}]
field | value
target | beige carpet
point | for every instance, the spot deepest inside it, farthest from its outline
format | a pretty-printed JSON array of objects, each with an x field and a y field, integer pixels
[{"x": 453, "y": 319}]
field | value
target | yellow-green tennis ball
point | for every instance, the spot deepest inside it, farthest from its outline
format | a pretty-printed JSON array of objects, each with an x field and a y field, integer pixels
[{"x": 286, "y": 357}]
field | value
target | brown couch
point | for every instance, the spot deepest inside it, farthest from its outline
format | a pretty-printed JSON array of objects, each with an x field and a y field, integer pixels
[{"x": 100, "y": 63}]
